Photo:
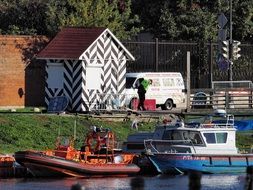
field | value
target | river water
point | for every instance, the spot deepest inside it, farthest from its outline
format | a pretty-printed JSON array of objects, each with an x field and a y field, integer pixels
[{"x": 159, "y": 182}]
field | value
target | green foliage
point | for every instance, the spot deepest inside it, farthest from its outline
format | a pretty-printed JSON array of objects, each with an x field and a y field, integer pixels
[
  {"x": 39, "y": 132},
  {"x": 193, "y": 19},
  {"x": 46, "y": 17},
  {"x": 171, "y": 20},
  {"x": 244, "y": 140},
  {"x": 22, "y": 17},
  {"x": 195, "y": 24}
]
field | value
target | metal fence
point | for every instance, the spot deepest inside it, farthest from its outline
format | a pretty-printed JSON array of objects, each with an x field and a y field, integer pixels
[
  {"x": 108, "y": 101},
  {"x": 222, "y": 98},
  {"x": 171, "y": 56},
  {"x": 232, "y": 98}
]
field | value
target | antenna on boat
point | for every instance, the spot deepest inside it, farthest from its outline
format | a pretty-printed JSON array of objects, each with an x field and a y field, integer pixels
[
  {"x": 59, "y": 130},
  {"x": 75, "y": 129}
]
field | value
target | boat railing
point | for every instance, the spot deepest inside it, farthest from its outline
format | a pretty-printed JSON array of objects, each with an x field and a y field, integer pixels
[
  {"x": 216, "y": 125},
  {"x": 228, "y": 123},
  {"x": 151, "y": 145}
]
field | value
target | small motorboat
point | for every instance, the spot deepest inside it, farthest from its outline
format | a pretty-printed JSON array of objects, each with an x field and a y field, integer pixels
[
  {"x": 6, "y": 161},
  {"x": 207, "y": 147},
  {"x": 6, "y": 166},
  {"x": 97, "y": 157},
  {"x": 135, "y": 145}
]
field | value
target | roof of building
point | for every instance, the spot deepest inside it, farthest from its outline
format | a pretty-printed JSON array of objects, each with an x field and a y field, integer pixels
[{"x": 71, "y": 42}]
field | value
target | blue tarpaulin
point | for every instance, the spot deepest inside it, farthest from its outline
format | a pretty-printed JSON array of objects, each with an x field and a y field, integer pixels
[
  {"x": 240, "y": 125},
  {"x": 244, "y": 125}
]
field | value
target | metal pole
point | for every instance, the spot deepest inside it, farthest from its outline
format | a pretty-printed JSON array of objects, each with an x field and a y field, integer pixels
[
  {"x": 188, "y": 80},
  {"x": 230, "y": 71},
  {"x": 156, "y": 54},
  {"x": 211, "y": 65}
]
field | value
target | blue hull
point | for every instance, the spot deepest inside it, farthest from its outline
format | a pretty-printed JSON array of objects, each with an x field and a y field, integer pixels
[{"x": 215, "y": 164}]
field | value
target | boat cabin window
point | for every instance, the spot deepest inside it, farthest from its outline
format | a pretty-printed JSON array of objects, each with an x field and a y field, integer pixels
[
  {"x": 171, "y": 135},
  {"x": 216, "y": 138},
  {"x": 193, "y": 136}
]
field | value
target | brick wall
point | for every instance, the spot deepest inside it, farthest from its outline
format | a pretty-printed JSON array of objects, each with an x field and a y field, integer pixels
[{"x": 21, "y": 75}]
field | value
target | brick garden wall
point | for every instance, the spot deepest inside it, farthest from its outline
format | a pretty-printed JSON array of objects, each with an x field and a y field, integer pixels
[{"x": 21, "y": 75}]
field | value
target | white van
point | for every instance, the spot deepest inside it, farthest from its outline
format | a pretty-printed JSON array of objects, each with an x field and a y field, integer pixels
[{"x": 167, "y": 89}]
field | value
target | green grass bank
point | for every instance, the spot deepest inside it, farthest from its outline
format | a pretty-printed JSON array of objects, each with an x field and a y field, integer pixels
[{"x": 39, "y": 131}]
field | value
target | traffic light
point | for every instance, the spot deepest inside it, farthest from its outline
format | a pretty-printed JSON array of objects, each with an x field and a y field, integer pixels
[
  {"x": 225, "y": 49},
  {"x": 236, "y": 49}
]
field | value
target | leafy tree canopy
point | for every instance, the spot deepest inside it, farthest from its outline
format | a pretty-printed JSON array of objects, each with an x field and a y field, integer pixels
[
  {"x": 194, "y": 19},
  {"x": 46, "y": 17}
]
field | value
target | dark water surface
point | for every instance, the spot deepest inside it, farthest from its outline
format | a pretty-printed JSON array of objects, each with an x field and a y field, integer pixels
[{"x": 160, "y": 182}]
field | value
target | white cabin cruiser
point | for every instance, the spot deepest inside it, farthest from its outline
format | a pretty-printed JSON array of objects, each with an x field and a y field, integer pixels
[{"x": 209, "y": 147}]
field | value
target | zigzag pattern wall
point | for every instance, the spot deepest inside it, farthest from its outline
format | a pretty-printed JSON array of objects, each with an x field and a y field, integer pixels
[{"x": 105, "y": 51}]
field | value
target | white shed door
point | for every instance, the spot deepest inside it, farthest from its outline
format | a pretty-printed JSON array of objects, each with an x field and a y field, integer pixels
[
  {"x": 93, "y": 78},
  {"x": 55, "y": 75}
]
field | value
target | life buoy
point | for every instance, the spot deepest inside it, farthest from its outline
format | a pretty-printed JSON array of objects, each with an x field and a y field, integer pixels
[
  {"x": 110, "y": 135},
  {"x": 93, "y": 142}
]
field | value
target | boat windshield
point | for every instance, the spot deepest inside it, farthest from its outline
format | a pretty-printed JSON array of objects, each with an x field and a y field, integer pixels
[{"x": 184, "y": 135}]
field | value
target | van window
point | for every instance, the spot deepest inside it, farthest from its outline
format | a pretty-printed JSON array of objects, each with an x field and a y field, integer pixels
[
  {"x": 130, "y": 81},
  {"x": 155, "y": 82},
  {"x": 168, "y": 82},
  {"x": 179, "y": 82}
]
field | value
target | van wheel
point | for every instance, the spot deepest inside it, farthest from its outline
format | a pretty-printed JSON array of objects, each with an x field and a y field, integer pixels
[{"x": 168, "y": 105}]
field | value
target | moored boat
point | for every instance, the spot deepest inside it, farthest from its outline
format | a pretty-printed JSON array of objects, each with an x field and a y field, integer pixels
[
  {"x": 135, "y": 145},
  {"x": 96, "y": 158},
  {"x": 7, "y": 168},
  {"x": 208, "y": 147},
  {"x": 6, "y": 161}
]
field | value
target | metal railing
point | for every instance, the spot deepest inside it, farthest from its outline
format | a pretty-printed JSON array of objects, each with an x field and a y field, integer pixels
[{"x": 233, "y": 98}]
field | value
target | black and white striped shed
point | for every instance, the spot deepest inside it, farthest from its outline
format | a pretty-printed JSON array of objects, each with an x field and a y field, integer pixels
[{"x": 83, "y": 64}]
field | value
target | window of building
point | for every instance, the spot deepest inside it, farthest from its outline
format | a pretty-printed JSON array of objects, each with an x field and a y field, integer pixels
[
  {"x": 55, "y": 75},
  {"x": 93, "y": 78}
]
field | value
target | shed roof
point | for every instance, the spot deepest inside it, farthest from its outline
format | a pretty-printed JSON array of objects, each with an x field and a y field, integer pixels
[{"x": 71, "y": 42}]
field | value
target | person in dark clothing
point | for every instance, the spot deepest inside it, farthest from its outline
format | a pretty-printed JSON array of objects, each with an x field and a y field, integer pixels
[
  {"x": 141, "y": 93},
  {"x": 142, "y": 89}
]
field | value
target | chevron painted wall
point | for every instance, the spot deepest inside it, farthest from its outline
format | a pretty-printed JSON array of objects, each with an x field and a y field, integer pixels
[{"x": 107, "y": 56}]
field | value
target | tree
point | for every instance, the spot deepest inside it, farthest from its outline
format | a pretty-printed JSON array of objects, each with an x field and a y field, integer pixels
[
  {"x": 22, "y": 16},
  {"x": 243, "y": 20},
  {"x": 189, "y": 22},
  {"x": 115, "y": 15},
  {"x": 193, "y": 19},
  {"x": 46, "y": 17}
]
